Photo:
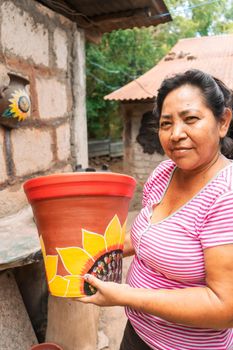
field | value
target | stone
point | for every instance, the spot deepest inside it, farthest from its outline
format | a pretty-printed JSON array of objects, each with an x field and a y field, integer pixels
[
  {"x": 15, "y": 326},
  {"x": 60, "y": 48},
  {"x": 20, "y": 243},
  {"x": 71, "y": 324},
  {"x": 12, "y": 199},
  {"x": 31, "y": 149},
  {"x": 63, "y": 141},
  {"x": 103, "y": 341},
  {"x": 52, "y": 98},
  {"x": 3, "y": 173},
  {"x": 23, "y": 36}
]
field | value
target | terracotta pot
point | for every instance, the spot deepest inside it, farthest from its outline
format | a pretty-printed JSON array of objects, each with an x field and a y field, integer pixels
[
  {"x": 14, "y": 102},
  {"x": 81, "y": 220},
  {"x": 46, "y": 346}
]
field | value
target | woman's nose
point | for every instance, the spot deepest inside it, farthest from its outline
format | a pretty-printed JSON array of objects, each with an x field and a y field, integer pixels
[{"x": 178, "y": 132}]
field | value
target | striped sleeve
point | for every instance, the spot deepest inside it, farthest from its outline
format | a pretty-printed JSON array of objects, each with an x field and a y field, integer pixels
[
  {"x": 218, "y": 224},
  {"x": 147, "y": 187},
  {"x": 157, "y": 181}
]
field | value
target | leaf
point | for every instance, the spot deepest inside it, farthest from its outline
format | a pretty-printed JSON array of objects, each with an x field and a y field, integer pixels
[{"x": 7, "y": 113}]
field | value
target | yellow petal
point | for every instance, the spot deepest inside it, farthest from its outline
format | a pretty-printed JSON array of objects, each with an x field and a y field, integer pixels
[
  {"x": 93, "y": 243},
  {"x": 113, "y": 232},
  {"x": 42, "y": 247},
  {"x": 122, "y": 239},
  {"x": 59, "y": 286},
  {"x": 51, "y": 266},
  {"x": 75, "y": 260},
  {"x": 75, "y": 288}
]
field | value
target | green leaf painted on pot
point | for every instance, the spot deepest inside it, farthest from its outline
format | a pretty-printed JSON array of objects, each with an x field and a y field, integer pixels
[{"x": 7, "y": 113}]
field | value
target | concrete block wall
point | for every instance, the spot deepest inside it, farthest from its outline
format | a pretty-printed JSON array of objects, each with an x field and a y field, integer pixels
[
  {"x": 136, "y": 162},
  {"x": 35, "y": 43}
]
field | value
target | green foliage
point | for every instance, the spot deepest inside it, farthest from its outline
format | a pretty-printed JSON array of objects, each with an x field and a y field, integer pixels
[
  {"x": 121, "y": 57},
  {"x": 126, "y": 54}
]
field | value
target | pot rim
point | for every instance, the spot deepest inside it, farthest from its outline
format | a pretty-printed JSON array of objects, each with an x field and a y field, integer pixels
[{"x": 73, "y": 184}]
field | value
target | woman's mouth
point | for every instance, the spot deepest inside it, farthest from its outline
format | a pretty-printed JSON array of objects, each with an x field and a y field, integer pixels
[{"x": 180, "y": 150}]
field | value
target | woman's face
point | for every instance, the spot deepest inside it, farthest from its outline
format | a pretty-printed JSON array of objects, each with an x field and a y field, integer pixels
[{"x": 188, "y": 131}]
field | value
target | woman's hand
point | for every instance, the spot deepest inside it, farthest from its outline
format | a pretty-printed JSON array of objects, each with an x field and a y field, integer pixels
[{"x": 108, "y": 293}]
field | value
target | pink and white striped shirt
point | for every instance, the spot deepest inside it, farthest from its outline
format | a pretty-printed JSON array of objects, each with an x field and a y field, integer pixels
[{"x": 169, "y": 254}]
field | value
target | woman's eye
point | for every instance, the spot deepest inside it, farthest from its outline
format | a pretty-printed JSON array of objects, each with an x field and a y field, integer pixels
[
  {"x": 165, "y": 124},
  {"x": 191, "y": 119}
]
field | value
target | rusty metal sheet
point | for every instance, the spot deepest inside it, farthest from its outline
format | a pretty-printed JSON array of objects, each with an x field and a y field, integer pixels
[
  {"x": 106, "y": 16},
  {"x": 213, "y": 54}
]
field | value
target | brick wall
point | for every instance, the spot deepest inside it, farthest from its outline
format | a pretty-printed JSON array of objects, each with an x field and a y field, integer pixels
[{"x": 36, "y": 43}]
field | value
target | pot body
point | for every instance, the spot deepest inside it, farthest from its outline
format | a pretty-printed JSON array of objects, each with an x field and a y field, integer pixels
[{"x": 81, "y": 220}]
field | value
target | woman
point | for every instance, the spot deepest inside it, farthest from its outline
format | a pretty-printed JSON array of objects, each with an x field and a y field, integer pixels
[{"x": 179, "y": 291}]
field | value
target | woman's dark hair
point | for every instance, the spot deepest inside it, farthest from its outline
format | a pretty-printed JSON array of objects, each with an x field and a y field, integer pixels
[{"x": 216, "y": 94}]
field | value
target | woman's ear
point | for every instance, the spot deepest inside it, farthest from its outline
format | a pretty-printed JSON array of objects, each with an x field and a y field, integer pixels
[{"x": 225, "y": 122}]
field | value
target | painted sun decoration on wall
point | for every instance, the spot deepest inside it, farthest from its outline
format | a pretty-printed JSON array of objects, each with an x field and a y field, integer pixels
[
  {"x": 100, "y": 255},
  {"x": 19, "y": 106}
]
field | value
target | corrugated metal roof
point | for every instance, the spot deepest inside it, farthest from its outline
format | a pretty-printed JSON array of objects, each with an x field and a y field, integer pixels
[
  {"x": 100, "y": 16},
  {"x": 213, "y": 54}
]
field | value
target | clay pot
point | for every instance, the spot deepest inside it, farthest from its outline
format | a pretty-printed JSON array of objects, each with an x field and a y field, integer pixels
[
  {"x": 46, "y": 346},
  {"x": 81, "y": 221},
  {"x": 14, "y": 102}
]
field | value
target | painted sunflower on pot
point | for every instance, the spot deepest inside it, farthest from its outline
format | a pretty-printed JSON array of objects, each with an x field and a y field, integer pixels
[{"x": 100, "y": 255}]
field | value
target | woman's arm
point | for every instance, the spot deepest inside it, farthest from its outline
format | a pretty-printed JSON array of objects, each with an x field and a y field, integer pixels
[
  {"x": 205, "y": 307},
  {"x": 128, "y": 246}
]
